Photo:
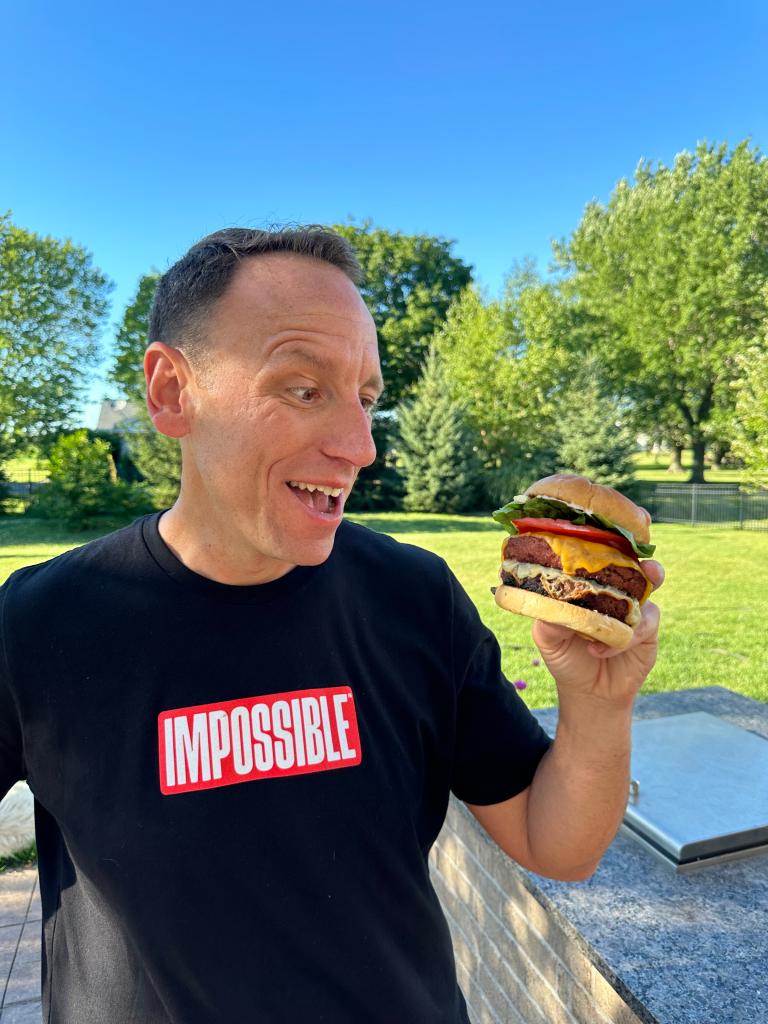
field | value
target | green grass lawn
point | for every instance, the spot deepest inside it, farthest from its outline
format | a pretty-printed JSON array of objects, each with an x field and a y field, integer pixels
[
  {"x": 655, "y": 468},
  {"x": 26, "y": 467},
  {"x": 714, "y": 604}
]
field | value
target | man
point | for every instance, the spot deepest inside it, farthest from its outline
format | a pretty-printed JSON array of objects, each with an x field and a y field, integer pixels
[{"x": 234, "y": 818}]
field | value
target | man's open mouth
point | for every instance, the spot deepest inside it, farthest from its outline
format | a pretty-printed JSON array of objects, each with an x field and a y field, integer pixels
[{"x": 319, "y": 497}]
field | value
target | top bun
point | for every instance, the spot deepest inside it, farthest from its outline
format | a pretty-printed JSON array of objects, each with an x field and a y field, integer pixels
[{"x": 579, "y": 491}]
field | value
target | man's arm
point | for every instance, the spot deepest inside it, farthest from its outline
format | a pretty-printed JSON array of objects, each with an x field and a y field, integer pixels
[{"x": 561, "y": 825}]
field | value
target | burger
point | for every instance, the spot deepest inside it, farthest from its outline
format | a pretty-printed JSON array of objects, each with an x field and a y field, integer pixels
[{"x": 573, "y": 557}]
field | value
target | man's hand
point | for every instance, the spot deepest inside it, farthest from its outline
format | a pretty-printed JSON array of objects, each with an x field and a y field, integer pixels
[
  {"x": 561, "y": 825},
  {"x": 587, "y": 668}
]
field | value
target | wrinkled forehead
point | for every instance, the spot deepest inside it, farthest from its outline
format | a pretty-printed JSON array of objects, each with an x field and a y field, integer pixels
[{"x": 297, "y": 290}]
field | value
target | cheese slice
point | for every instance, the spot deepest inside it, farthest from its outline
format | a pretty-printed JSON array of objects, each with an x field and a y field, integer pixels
[{"x": 578, "y": 554}]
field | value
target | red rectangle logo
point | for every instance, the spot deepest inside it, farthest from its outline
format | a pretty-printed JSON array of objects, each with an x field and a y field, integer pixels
[{"x": 235, "y": 741}]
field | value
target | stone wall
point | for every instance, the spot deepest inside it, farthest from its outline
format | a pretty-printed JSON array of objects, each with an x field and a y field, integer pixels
[{"x": 517, "y": 959}]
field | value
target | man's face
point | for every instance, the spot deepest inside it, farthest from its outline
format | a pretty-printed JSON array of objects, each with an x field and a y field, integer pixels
[{"x": 287, "y": 400}]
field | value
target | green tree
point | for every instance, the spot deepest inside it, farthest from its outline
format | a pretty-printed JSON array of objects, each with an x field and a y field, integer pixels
[
  {"x": 379, "y": 487},
  {"x": 157, "y": 457},
  {"x": 435, "y": 450},
  {"x": 751, "y": 441},
  {"x": 83, "y": 485},
  {"x": 505, "y": 360},
  {"x": 131, "y": 339},
  {"x": 53, "y": 302},
  {"x": 668, "y": 277},
  {"x": 596, "y": 437},
  {"x": 410, "y": 282}
]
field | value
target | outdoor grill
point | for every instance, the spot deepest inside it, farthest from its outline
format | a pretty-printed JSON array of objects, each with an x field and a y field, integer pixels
[{"x": 699, "y": 790}]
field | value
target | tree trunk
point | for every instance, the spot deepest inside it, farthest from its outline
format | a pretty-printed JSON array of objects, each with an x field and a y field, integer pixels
[
  {"x": 697, "y": 471},
  {"x": 676, "y": 465},
  {"x": 719, "y": 452}
]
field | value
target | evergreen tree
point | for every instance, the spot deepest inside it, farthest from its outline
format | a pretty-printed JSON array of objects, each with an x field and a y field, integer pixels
[
  {"x": 379, "y": 487},
  {"x": 157, "y": 457},
  {"x": 596, "y": 439},
  {"x": 436, "y": 455}
]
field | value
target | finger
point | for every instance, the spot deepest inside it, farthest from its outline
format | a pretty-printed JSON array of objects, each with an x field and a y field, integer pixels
[
  {"x": 548, "y": 636},
  {"x": 646, "y": 631},
  {"x": 654, "y": 571}
]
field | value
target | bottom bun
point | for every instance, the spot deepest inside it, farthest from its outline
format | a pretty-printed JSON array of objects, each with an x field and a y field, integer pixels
[{"x": 587, "y": 623}]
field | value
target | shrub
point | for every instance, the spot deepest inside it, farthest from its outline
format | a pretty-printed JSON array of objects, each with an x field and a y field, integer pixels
[{"x": 83, "y": 486}]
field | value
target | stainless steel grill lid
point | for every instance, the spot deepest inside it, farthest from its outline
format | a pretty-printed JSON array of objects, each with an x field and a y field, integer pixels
[{"x": 700, "y": 789}]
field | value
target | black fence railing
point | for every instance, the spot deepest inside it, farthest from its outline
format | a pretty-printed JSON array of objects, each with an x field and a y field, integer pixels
[
  {"x": 705, "y": 504},
  {"x": 23, "y": 483}
]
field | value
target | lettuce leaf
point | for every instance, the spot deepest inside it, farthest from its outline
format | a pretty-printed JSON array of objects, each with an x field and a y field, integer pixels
[{"x": 550, "y": 508}]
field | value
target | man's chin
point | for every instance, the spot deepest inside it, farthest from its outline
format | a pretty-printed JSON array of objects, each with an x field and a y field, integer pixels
[
  {"x": 309, "y": 552},
  {"x": 317, "y": 553}
]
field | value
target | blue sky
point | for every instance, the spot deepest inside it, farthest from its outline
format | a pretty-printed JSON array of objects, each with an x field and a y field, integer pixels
[{"x": 136, "y": 129}]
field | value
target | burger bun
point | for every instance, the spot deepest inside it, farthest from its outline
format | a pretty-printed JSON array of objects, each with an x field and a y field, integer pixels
[
  {"x": 581, "y": 492},
  {"x": 588, "y": 624}
]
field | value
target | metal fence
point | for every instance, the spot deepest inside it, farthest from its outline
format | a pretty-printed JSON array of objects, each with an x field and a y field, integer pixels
[
  {"x": 705, "y": 504},
  {"x": 23, "y": 484}
]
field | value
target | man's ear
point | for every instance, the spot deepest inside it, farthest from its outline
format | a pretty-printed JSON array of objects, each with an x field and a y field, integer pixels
[{"x": 168, "y": 374}]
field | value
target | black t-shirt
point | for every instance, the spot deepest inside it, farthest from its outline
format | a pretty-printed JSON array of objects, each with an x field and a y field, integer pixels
[{"x": 237, "y": 787}]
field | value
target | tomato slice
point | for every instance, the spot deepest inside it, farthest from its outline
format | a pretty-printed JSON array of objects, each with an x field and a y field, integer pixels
[{"x": 589, "y": 533}]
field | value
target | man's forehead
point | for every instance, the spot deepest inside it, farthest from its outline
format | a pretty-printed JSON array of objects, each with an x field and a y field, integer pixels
[{"x": 278, "y": 286}]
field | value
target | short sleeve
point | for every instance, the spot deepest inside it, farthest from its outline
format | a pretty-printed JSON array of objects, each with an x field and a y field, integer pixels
[
  {"x": 499, "y": 742},
  {"x": 11, "y": 748}
]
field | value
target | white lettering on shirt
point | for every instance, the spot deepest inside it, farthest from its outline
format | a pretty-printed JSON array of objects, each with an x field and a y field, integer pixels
[{"x": 226, "y": 742}]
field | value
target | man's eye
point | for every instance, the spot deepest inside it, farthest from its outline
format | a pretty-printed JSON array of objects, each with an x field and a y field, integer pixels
[
  {"x": 370, "y": 405},
  {"x": 302, "y": 392}
]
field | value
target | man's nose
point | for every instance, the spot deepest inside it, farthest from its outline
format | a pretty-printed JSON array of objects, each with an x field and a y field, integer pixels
[{"x": 349, "y": 436}]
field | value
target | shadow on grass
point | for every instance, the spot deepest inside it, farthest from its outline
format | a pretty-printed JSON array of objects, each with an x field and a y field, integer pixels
[
  {"x": 26, "y": 529},
  {"x": 392, "y": 522},
  {"x": 23, "y": 859},
  {"x": 27, "y": 554}
]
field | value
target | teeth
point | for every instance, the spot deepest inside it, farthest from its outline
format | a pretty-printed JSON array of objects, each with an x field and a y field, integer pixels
[{"x": 333, "y": 492}]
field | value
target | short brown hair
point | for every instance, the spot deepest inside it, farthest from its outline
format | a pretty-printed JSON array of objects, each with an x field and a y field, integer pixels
[{"x": 187, "y": 291}]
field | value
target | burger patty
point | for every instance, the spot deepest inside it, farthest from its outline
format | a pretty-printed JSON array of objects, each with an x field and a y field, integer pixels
[
  {"x": 525, "y": 548},
  {"x": 603, "y": 603}
]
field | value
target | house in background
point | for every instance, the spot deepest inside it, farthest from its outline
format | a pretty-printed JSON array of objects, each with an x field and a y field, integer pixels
[
  {"x": 119, "y": 418},
  {"x": 115, "y": 414}
]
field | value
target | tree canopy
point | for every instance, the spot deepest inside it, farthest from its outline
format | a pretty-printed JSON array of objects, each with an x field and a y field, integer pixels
[
  {"x": 506, "y": 362},
  {"x": 669, "y": 278},
  {"x": 132, "y": 339},
  {"x": 751, "y": 440},
  {"x": 53, "y": 303},
  {"x": 157, "y": 457},
  {"x": 410, "y": 282}
]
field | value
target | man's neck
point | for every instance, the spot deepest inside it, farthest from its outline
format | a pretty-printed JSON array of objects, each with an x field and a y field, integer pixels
[{"x": 211, "y": 553}]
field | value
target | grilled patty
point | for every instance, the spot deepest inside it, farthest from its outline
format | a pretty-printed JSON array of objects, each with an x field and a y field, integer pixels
[
  {"x": 525, "y": 548},
  {"x": 604, "y": 603}
]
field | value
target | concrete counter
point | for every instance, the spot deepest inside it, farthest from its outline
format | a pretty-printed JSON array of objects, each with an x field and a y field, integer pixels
[{"x": 636, "y": 942}]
